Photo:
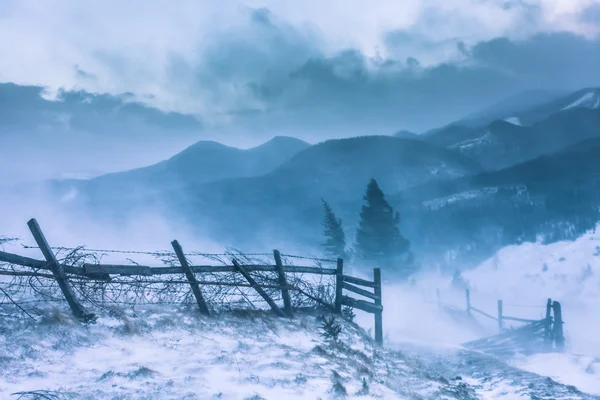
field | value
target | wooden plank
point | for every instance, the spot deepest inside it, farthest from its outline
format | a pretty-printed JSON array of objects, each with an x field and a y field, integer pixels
[
  {"x": 257, "y": 287},
  {"x": 361, "y": 304},
  {"x": 477, "y": 310},
  {"x": 26, "y": 273},
  {"x": 379, "y": 313},
  {"x": 285, "y": 294},
  {"x": 77, "y": 308},
  {"x": 559, "y": 338},
  {"x": 309, "y": 270},
  {"x": 339, "y": 282},
  {"x": 547, "y": 326},
  {"x": 101, "y": 269},
  {"x": 116, "y": 269},
  {"x": 360, "y": 291},
  {"x": 23, "y": 261},
  {"x": 191, "y": 278},
  {"x": 358, "y": 281},
  {"x": 504, "y": 317},
  {"x": 38, "y": 264}
]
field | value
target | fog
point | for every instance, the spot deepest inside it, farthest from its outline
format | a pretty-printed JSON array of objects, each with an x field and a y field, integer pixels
[{"x": 524, "y": 277}]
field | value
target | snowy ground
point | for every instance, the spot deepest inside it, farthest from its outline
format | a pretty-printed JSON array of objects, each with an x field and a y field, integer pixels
[
  {"x": 568, "y": 272},
  {"x": 253, "y": 355},
  {"x": 155, "y": 354},
  {"x": 151, "y": 354},
  {"x": 524, "y": 277}
]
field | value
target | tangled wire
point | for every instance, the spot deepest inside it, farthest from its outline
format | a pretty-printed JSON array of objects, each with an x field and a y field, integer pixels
[{"x": 28, "y": 291}]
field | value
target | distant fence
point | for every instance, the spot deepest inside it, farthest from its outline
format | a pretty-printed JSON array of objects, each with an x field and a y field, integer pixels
[
  {"x": 545, "y": 334},
  {"x": 84, "y": 284}
]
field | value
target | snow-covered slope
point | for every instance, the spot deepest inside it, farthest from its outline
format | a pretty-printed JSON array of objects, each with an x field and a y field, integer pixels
[
  {"x": 153, "y": 354},
  {"x": 569, "y": 272},
  {"x": 589, "y": 99}
]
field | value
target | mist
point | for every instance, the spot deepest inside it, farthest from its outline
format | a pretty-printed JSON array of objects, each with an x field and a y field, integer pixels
[{"x": 452, "y": 144}]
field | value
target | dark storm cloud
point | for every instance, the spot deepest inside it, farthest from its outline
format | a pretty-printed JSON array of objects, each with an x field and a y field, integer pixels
[
  {"x": 304, "y": 88},
  {"x": 268, "y": 76}
]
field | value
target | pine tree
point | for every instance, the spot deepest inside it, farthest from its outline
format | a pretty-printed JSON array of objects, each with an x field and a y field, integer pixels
[
  {"x": 335, "y": 239},
  {"x": 378, "y": 238}
]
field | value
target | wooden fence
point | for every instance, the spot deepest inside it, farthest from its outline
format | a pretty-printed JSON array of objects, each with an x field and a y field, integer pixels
[
  {"x": 547, "y": 331},
  {"x": 64, "y": 273}
]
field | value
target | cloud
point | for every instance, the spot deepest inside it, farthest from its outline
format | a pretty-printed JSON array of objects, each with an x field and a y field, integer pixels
[{"x": 309, "y": 68}]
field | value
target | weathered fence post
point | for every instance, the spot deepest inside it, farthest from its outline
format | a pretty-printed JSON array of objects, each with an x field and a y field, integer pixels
[
  {"x": 191, "y": 278},
  {"x": 378, "y": 302},
  {"x": 58, "y": 272},
  {"x": 547, "y": 326},
  {"x": 468, "y": 295},
  {"x": 500, "y": 322},
  {"x": 257, "y": 287},
  {"x": 339, "y": 285},
  {"x": 559, "y": 338},
  {"x": 285, "y": 293}
]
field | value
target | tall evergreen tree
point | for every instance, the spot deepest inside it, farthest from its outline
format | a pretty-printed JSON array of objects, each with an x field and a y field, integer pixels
[
  {"x": 378, "y": 238},
  {"x": 335, "y": 239}
]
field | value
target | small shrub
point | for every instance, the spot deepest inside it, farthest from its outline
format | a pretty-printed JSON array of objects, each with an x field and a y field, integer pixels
[
  {"x": 331, "y": 329},
  {"x": 348, "y": 313}
]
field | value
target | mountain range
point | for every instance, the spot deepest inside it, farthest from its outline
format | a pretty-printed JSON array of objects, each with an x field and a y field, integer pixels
[
  {"x": 463, "y": 189},
  {"x": 527, "y": 134},
  {"x": 203, "y": 162}
]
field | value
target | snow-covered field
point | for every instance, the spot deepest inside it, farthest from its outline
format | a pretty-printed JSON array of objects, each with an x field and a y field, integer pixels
[
  {"x": 568, "y": 272},
  {"x": 524, "y": 277},
  {"x": 153, "y": 354},
  {"x": 158, "y": 353}
]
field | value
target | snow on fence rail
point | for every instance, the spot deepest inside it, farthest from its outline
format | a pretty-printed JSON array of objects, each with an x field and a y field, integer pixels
[{"x": 84, "y": 283}]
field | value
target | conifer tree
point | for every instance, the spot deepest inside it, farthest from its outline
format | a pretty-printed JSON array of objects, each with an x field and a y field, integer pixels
[
  {"x": 335, "y": 239},
  {"x": 378, "y": 238}
]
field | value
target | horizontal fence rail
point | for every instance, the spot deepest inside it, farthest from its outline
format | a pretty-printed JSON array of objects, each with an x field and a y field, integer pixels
[{"x": 547, "y": 330}]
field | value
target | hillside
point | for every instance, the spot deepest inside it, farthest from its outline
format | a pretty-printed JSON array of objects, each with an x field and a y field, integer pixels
[
  {"x": 553, "y": 197},
  {"x": 567, "y": 271},
  {"x": 588, "y": 98},
  {"x": 336, "y": 170},
  {"x": 202, "y": 162},
  {"x": 507, "y": 142},
  {"x": 152, "y": 354},
  {"x": 404, "y": 134}
]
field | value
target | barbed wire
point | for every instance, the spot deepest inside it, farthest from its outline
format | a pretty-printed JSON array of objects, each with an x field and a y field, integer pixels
[
  {"x": 31, "y": 288},
  {"x": 165, "y": 253}
]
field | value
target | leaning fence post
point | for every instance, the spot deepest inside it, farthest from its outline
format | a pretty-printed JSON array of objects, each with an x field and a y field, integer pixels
[
  {"x": 378, "y": 301},
  {"x": 285, "y": 293},
  {"x": 559, "y": 338},
  {"x": 500, "y": 322},
  {"x": 257, "y": 287},
  {"x": 191, "y": 278},
  {"x": 58, "y": 272},
  {"x": 468, "y": 295},
  {"x": 339, "y": 285},
  {"x": 547, "y": 325}
]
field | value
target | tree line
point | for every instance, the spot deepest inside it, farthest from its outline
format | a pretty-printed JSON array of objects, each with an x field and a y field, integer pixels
[{"x": 378, "y": 243}]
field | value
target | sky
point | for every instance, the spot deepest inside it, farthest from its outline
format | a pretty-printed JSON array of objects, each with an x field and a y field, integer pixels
[{"x": 250, "y": 70}]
